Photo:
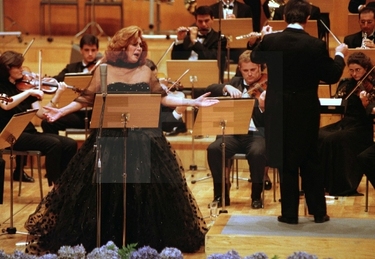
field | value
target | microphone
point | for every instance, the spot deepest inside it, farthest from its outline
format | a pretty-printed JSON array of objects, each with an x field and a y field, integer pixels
[{"x": 103, "y": 78}]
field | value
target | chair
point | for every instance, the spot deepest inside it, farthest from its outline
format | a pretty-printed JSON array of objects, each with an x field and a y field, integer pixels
[
  {"x": 27, "y": 153},
  {"x": 93, "y": 3},
  {"x": 239, "y": 156},
  {"x": 49, "y": 3}
]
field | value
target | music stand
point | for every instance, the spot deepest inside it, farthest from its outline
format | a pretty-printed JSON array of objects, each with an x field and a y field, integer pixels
[
  {"x": 197, "y": 77},
  {"x": 231, "y": 28},
  {"x": 8, "y": 137},
  {"x": 122, "y": 111},
  {"x": 229, "y": 116}
]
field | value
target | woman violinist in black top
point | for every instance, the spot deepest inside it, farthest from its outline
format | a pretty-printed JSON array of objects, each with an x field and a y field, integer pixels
[{"x": 341, "y": 142}]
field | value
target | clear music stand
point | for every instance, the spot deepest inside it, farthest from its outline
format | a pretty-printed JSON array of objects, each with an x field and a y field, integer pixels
[
  {"x": 229, "y": 116},
  {"x": 8, "y": 137},
  {"x": 121, "y": 111}
]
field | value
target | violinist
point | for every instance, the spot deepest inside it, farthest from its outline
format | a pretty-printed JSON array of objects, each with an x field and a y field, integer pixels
[
  {"x": 170, "y": 117},
  {"x": 341, "y": 142},
  {"x": 58, "y": 150},
  {"x": 251, "y": 83},
  {"x": 89, "y": 47}
]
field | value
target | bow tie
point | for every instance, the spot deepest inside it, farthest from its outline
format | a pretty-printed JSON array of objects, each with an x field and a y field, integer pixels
[
  {"x": 202, "y": 36},
  {"x": 230, "y": 7},
  {"x": 89, "y": 64}
]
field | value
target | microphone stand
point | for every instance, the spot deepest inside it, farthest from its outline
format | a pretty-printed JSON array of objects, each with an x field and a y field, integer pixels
[
  {"x": 98, "y": 169},
  {"x": 219, "y": 42}
]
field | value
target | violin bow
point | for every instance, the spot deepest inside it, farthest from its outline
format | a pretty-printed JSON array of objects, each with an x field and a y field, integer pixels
[
  {"x": 165, "y": 53},
  {"x": 40, "y": 69},
  {"x": 333, "y": 35},
  {"x": 178, "y": 79},
  {"x": 28, "y": 47},
  {"x": 359, "y": 83}
]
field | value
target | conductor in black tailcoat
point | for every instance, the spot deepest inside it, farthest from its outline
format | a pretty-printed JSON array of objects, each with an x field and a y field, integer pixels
[
  {"x": 314, "y": 15},
  {"x": 296, "y": 63}
]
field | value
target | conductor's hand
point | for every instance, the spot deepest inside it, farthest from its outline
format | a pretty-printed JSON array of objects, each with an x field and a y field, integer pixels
[
  {"x": 232, "y": 91},
  {"x": 203, "y": 100},
  {"x": 52, "y": 114},
  {"x": 343, "y": 48}
]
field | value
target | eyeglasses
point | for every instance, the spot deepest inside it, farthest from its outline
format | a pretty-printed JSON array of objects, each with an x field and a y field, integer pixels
[{"x": 356, "y": 70}]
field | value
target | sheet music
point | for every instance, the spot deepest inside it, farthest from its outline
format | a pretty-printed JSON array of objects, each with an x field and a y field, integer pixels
[{"x": 330, "y": 101}]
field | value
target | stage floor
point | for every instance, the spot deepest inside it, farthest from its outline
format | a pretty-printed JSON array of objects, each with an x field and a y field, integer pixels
[{"x": 248, "y": 234}]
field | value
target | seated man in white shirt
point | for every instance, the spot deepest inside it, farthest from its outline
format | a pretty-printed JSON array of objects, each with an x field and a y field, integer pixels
[{"x": 251, "y": 83}]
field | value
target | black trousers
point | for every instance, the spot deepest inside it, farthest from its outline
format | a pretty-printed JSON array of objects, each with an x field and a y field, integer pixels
[
  {"x": 57, "y": 149},
  {"x": 253, "y": 145},
  {"x": 73, "y": 120},
  {"x": 312, "y": 184}
]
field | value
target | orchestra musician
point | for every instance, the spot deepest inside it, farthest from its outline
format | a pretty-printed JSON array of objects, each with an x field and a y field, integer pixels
[
  {"x": 365, "y": 37},
  {"x": 341, "y": 142},
  {"x": 170, "y": 117},
  {"x": 89, "y": 47},
  {"x": 231, "y": 9},
  {"x": 251, "y": 83},
  {"x": 260, "y": 12},
  {"x": 57, "y": 149},
  {"x": 200, "y": 41}
]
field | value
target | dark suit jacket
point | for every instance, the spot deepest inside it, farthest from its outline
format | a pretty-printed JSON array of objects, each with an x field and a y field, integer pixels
[
  {"x": 237, "y": 82},
  {"x": 167, "y": 120},
  {"x": 206, "y": 50},
  {"x": 315, "y": 15},
  {"x": 70, "y": 68},
  {"x": 240, "y": 10},
  {"x": 292, "y": 111},
  {"x": 354, "y": 40},
  {"x": 354, "y": 4}
]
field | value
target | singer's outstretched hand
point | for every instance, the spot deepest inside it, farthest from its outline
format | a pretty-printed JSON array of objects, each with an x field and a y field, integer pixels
[
  {"x": 203, "y": 100},
  {"x": 52, "y": 114}
]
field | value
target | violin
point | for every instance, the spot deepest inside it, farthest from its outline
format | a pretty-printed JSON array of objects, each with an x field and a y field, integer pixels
[
  {"x": 175, "y": 86},
  {"x": 31, "y": 80},
  {"x": 259, "y": 86},
  {"x": 5, "y": 99}
]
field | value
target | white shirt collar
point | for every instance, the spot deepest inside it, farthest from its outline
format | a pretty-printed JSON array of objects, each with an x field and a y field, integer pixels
[{"x": 295, "y": 26}]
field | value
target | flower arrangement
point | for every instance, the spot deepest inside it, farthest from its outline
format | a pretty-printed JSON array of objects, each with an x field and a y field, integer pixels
[{"x": 111, "y": 251}]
